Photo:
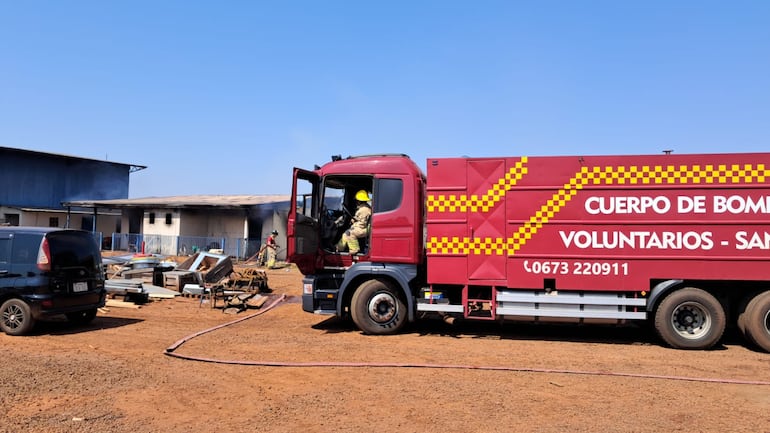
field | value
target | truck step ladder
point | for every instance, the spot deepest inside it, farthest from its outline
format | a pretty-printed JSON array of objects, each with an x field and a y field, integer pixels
[{"x": 479, "y": 302}]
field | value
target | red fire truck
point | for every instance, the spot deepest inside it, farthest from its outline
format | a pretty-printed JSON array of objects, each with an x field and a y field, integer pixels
[{"x": 680, "y": 241}]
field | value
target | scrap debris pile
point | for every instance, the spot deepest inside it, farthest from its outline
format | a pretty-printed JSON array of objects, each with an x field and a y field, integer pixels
[{"x": 211, "y": 277}]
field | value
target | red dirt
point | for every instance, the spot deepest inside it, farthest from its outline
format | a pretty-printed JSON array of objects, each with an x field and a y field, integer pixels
[{"x": 113, "y": 376}]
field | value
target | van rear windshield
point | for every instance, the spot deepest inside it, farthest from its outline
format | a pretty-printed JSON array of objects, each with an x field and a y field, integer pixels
[{"x": 73, "y": 249}]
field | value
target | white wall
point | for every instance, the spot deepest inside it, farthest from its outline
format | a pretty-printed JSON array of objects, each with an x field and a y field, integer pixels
[
  {"x": 213, "y": 223},
  {"x": 228, "y": 225},
  {"x": 194, "y": 223},
  {"x": 160, "y": 226}
]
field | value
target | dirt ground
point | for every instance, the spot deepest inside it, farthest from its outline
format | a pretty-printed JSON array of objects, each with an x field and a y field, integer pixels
[{"x": 113, "y": 376}]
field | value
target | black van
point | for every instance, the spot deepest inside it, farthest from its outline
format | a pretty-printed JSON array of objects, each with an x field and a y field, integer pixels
[{"x": 46, "y": 272}]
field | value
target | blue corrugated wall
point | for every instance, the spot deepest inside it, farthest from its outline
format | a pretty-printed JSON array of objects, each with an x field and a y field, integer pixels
[{"x": 31, "y": 179}]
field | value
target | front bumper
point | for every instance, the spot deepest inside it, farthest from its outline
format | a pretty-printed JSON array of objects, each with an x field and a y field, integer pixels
[
  {"x": 320, "y": 302},
  {"x": 320, "y": 294}
]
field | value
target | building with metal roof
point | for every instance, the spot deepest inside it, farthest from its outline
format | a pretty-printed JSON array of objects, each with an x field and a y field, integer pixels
[
  {"x": 55, "y": 190},
  {"x": 180, "y": 225},
  {"x": 34, "y": 184}
]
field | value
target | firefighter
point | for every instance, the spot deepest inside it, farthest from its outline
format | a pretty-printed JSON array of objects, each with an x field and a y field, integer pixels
[
  {"x": 272, "y": 246},
  {"x": 359, "y": 227}
]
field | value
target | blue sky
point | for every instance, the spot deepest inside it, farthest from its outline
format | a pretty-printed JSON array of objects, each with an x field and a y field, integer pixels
[{"x": 225, "y": 97}]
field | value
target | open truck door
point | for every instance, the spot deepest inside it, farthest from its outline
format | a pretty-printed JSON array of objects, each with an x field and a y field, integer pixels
[{"x": 304, "y": 229}]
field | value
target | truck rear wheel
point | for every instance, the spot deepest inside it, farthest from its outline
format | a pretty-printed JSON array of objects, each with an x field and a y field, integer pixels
[
  {"x": 755, "y": 321},
  {"x": 690, "y": 318},
  {"x": 376, "y": 308}
]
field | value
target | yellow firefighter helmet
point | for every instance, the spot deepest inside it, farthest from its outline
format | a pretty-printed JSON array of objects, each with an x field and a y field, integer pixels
[{"x": 362, "y": 195}]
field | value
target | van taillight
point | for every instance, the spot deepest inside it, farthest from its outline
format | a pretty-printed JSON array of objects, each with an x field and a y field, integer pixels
[{"x": 44, "y": 256}]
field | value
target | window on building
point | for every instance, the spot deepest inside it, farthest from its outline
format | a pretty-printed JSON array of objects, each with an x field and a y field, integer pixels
[
  {"x": 87, "y": 223},
  {"x": 12, "y": 219},
  {"x": 53, "y": 222},
  {"x": 152, "y": 217},
  {"x": 168, "y": 219}
]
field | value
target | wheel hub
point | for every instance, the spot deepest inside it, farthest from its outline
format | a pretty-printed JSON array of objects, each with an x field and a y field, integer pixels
[
  {"x": 382, "y": 307},
  {"x": 691, "y": 320},
  {"x": 11, "y": 318}
]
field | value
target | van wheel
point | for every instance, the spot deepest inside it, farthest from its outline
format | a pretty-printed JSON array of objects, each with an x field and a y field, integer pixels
[
  {"x": 690, "y": 318},
  {"x": 376, "y": 308},
  {"x": 16, "y": 317},
  {"x": 755, "y": 321},
  {"x": 82, "y": 317}
]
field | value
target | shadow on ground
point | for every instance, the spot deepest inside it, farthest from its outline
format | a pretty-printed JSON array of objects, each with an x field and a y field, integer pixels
[
  {"x": 638, "y": 334},
  {"x": 60, "y": 325}
]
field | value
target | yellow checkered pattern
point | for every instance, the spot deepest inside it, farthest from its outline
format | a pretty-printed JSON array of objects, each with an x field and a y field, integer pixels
[
  {"x": 632, "y": 175},
  {"x": 677, "y": 175},
  {"x": 462, "y": 203}
]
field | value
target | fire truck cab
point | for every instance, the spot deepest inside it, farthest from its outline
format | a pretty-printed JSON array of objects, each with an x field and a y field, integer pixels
[{"x": 390, "y": 254}]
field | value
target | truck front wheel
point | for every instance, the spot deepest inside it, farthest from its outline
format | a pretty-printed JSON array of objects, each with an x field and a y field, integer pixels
[
  {"x": 690, "y": 318},
  {"x": 376, "y": 308},
  {"x": 755, "y": 321}
]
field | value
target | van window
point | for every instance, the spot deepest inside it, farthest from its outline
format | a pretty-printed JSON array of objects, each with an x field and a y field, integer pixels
[
  {"x": 25, "y": 248},
  {"x": 73, "y": 249},
  {"x": 4, "y": 244}
]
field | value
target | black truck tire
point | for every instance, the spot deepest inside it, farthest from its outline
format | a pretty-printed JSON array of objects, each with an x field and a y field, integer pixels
[
  {"x": 16, "y": 317},
  {"x": 690, "y": 318},
  {"x": 755, "y": 321},
  {"x": 741, "y": 313},
  {"x": 377, "y": 308}
]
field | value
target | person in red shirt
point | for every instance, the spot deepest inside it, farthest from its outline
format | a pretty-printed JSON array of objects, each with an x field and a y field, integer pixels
[{"x": 272, "y": 247}]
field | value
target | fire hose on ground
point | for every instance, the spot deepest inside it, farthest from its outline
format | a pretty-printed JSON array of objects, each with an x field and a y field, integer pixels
[{"x": 171, "y": 351}]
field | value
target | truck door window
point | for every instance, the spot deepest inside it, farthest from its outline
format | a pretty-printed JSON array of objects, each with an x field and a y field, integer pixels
[
  {"x": 389, "y": 193},
  {"x": 304, "y": 198}
]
